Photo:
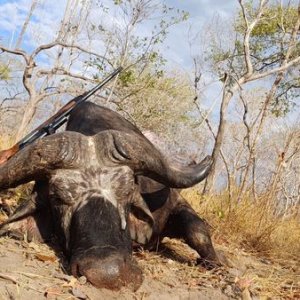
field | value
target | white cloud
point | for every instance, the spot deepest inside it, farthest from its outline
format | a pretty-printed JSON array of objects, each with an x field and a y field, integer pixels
[
  {"x": 42, "y": 27},
  {"x": 48, "y": 14}
]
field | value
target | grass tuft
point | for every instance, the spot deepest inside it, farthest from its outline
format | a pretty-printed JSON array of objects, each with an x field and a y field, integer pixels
[{"x": 249, "y": 229}]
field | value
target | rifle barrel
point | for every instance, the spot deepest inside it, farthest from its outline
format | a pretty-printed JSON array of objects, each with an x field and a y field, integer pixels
[{"x": 56, "y": 120}]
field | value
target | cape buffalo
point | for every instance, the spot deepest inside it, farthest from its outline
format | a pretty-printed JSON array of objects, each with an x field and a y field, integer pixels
[
  {"x": 88, "y": 186},
  {"x": 172, "y": 214}
]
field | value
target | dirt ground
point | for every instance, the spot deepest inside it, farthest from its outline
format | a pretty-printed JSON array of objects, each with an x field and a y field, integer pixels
[{"x": 34, "y": 271}]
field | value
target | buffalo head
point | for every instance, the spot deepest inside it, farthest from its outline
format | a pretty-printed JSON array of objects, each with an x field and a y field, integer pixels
[{"x": 88, "y": 185}]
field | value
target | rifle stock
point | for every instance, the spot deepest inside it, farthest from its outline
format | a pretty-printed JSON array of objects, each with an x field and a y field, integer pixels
[
  {"x": 5, "y": 155},
  {"x": 55, "y": 121}
]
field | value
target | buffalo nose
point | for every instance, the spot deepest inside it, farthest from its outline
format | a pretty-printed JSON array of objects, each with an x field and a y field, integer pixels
[{"x": 113, "y": 272}]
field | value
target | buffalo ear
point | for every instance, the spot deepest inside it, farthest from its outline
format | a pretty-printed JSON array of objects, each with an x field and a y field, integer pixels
[{"x": 140, "y": 220}]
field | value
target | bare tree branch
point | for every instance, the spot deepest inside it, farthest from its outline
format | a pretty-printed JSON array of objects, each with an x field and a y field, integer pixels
[
  {"x": 248, "y": 31},
  {"x": 24, "y": 27},
  {"x": 62, "y": 71},
  {"x": 16, "y": 52},
  {"x": 65, "y": 45}
]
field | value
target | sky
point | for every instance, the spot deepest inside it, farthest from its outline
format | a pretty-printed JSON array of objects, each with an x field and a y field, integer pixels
[
  {"x": 45, "y": 23},
  {"x": 201, "y": 13},
  {"x": 176, "y": 48}
]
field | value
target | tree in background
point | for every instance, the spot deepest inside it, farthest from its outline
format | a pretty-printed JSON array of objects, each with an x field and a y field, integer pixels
[
  {"x": 94, "y": 45},
  {"x": 260, "y": 46},
  {"x": 264, "y": 46}
]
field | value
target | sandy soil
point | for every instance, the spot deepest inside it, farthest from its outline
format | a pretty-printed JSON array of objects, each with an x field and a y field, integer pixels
[{"x": 34, "y": 271}]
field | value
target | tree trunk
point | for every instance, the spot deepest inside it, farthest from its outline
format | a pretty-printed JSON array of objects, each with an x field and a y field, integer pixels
[
  {"x": 227, "y": 96},
  {"x": 218, "y": 141},
  {"x": 25, "y": 25}
]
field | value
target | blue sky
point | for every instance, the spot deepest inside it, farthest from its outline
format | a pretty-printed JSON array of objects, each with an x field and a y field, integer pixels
[
  {"x": 49, "y": 13},
  {"x": 201, "y": 13},
  {"x": 176, "y": 49}
]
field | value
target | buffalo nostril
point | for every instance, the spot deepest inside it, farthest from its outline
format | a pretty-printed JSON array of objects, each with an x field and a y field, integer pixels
[{"x": 111, "y": 273}]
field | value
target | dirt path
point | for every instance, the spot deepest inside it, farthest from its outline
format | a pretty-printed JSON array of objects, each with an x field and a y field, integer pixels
[{"x": 32, "y": 271}]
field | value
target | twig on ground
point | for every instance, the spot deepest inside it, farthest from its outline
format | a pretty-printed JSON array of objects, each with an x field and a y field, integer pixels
[{"x": 8, "y": 277}]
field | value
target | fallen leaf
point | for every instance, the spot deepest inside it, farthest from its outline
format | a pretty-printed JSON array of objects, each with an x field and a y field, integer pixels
[
  {"x": 62, "y": 276},
  {"x": 82, "y": 280},
  {"x": 73, "y": 281},
  {"x": 53, "y": 291},
  {"x": 34, "y": 246},
  {"x": 44, "y": 257},
  {"x": 246, "y": 294},
  {"x": 243, "y": 283},
  {"x": 78, "y": 293}
]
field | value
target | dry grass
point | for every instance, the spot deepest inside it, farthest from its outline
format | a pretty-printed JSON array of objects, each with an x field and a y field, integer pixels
[
  {"x": 10, "y": 198},
  {"x": 250, "y": 224},
  {"x": 249, "y": 228}
]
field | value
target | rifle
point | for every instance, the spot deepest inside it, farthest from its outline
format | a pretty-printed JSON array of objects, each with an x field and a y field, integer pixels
[{"x": 54, "y": 122}]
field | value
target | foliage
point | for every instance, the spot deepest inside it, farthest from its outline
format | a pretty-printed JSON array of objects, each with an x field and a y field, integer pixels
[
  {"x": 4, "y": 72},
  {"x": 125, "y": 42},
  {"x": 269, "y": 41},
  {"x": 162, "y": 104},
  {"x": 288, "y": 92},
  {"x": 270, "y": 36},
  {"x": 127, "y": 77},
  {"x": 160, "y": 100}
]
